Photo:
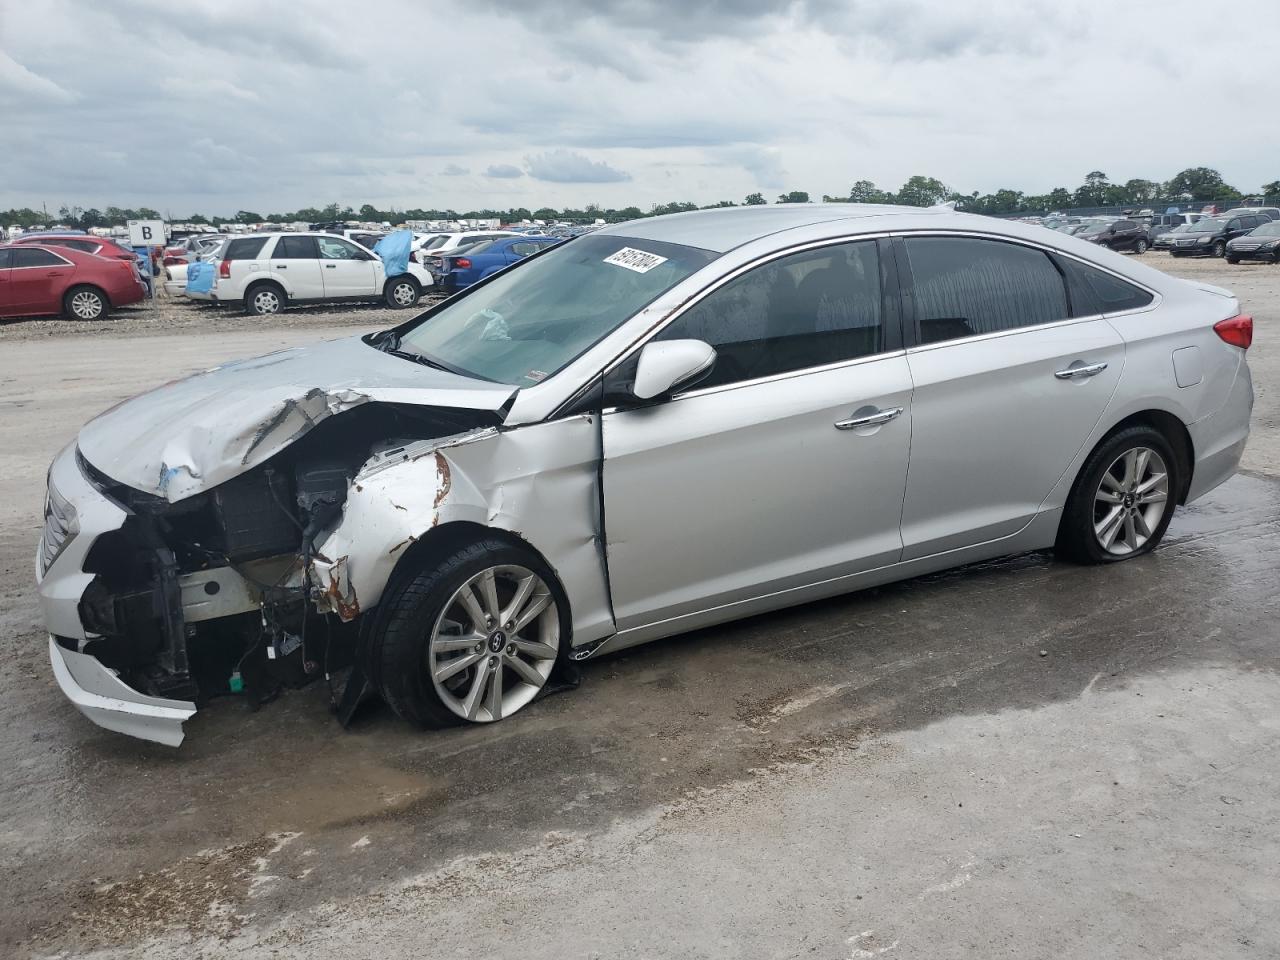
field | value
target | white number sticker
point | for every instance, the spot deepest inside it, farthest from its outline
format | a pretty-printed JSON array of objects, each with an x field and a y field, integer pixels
[{"x": 637, "y": 260}]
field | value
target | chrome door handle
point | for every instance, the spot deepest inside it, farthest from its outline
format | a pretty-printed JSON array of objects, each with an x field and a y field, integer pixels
[
  {"x": 1077, "y": 373},
  {"x": 871, "y": 420}
]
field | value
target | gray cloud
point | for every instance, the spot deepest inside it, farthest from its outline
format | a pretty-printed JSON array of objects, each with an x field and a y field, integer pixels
[
  {"x": 503, "y": 171},
  {"x": 565, "y": 166},
  {"x": 453, "y": 170}
]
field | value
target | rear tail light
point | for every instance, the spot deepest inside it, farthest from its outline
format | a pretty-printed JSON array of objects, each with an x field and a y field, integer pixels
[
  {"x": 462, "y": 263},
  {"x": 1237, "y": 331},
  {"x": 224, "y": 269}
]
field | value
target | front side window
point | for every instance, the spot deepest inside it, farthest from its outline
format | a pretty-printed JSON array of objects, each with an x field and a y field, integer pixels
[
  {"x": 529, "y": 322},
  {"x": 805, "y": 310},
  {"x": 963, "y": 287},
  {"x": 6, "y": 259},
  {"x": 331, "y": 248}
]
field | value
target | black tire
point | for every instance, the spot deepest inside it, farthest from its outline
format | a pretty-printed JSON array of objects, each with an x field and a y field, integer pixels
[
  {"x": 1174, "y": 253},
  {"x": 1233, "y": 260},
  {"x": 1076, "y": 538},
  {"x": 1219, "y": 248},
  {"x": 401, "y": 292},
  {"x": 265, "y": 300},
  {"x": 398, "y": 650},
  {"x": 1140, "y": 247},
  {"x": 86, "y": 303}
]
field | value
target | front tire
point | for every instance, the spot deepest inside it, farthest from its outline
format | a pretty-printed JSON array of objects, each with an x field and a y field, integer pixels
[
  {"x": 401, "y": 292},
  {"x": 1220, "y": 248},
  {"x": 1123, "y": 499},
  {"x": 1233, "y": 260},
  {"x": 264, "y": 300},
  {"x": 1140, "y": 247},
  {"x": 471, "y": 639},
  {"x": 85, "y": 303}
]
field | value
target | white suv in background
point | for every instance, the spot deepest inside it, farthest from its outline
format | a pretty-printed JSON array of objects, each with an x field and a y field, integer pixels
[{"x": 267, "y": 272}]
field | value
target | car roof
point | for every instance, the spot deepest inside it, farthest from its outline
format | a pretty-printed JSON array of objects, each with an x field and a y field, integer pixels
[{"x": 724, "y": 228}]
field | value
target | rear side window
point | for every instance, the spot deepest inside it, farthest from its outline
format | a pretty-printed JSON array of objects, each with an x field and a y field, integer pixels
[
  {"x": 33, "y": 257},
  {"x": 5, "y": 259},
  {"x": 805, "y": 310},
  {"x": 85, "y": 245},
  {"x": 245, "y": 248},
  {"x": 295, "y": 248},
  {"x": 963, "y": 287},
  {"x": 524, "y": 248},
  {"x": 1095, "y": 291}
]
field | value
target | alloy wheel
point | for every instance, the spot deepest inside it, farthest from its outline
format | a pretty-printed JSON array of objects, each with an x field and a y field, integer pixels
[
  {"x": 1130, "y": 501},
  {"x": 86, "y": 305},
  {"x": 494, "y": 644}
]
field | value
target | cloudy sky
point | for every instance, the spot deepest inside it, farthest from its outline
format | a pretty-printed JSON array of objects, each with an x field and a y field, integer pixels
[{"x": 218, "y": 105}]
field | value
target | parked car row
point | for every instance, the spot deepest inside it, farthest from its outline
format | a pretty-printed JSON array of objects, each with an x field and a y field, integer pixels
[{"x": 1230, "y": 234}]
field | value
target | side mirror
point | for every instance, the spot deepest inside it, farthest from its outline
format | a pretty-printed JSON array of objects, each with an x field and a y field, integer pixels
[{"x": 667, "y": 364}]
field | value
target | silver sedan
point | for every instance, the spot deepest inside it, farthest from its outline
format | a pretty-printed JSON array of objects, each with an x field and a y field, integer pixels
[{"x": 662, "y": 425}]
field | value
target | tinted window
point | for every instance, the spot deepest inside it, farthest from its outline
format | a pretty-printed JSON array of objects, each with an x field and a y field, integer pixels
[
  {"x": 1125, "y": 225},
  {"x": 4, "y": 259},
  {"x": 435, "y": 242},
  {"x": 524, "y": 248},
  {"x": 1094, "y": 291},
  {"x": 33, "y": 257},
  {"x": 964, "y": 287},
  {"x": 245, "y": 248},
  {"x": 331, "y": 248},
  {"x": 812, "y": 308},
  {"x": 87, "y": 246},
  {"x": 295, "y": 248}
]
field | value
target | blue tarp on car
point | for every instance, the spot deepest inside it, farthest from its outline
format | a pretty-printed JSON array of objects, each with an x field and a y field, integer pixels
[
  {"x": 394, "y": 250},
  {"x": 200, "y": 277}
]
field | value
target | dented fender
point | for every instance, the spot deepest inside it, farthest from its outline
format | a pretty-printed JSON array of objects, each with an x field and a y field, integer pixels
[{"x": 538, "y": 482}]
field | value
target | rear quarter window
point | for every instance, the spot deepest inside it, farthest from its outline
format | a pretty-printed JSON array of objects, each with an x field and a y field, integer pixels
[
  {"x": 1095, "y": 291},
  {"x": 246, "y": 248}
]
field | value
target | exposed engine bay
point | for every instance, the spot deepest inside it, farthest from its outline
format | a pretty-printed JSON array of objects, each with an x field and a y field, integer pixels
[{"x": 214, "y": 593}]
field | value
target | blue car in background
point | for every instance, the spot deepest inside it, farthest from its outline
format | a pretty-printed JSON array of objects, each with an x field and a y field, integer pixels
[{"x": 462, "y": 268}]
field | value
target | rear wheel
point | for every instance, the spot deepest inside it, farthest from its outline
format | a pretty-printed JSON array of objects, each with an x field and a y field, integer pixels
[
  {"x": 85, "y": 303},
  {"x": 402, "y": 292},
  {"x": 1123, "y": 499},
  {"x": 264, "y": 300},
  {"x": 473, "y": 638}
]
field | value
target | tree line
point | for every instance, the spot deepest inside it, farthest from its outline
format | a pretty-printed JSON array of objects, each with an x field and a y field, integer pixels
[{"x": 1195, "y": 184}]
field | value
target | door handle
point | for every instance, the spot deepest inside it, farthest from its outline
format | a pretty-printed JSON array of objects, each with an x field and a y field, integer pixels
[
  {"x": 281, "y": 266},
  {"x": 1080, "y": 373},
  {"x": 331, "y": 266},
  {"x": 870, "y": 420}
]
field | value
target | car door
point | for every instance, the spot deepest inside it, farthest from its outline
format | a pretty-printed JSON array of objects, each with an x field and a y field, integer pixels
[
  {"x": 346, "y": 270},
  {"x": 37, "y": 278},
  {"x": 786, "y": 466},
  {"x": 1010, "y": 381},
  {"x": 296, "y": 262}
]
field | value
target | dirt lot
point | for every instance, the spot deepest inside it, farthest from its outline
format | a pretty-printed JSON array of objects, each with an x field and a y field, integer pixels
[{"x": 1022, "y": 759}]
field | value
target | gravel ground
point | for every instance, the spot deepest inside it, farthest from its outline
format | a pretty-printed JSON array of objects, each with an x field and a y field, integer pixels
[{"x": 177, "y": 315}]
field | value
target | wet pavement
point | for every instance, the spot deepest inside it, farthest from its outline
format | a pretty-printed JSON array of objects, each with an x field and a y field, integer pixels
[{"x": 1022, "y": 758}]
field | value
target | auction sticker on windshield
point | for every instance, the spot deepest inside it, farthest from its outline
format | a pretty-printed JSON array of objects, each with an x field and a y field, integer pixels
[{"x": 637, "y": 260}]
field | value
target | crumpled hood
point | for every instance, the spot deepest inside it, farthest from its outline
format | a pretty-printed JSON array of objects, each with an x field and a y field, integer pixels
[{"x": 193, "y": 434}]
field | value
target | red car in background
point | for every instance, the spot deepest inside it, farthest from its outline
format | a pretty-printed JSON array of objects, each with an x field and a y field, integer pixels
[
  {"x": 38, "y": 279},
  {"x": 85, "y": 242}
]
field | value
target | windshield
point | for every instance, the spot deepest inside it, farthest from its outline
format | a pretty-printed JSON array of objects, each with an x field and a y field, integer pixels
[
  {"x": 1208, "y": 225},
  {"x": 1271, "y": 229},
  {"x": 436, "y": 242},
  {"x": 471, "y": 246},
  {"x": 532, "y": 320},
  {"x": 1180, "y": 228}
]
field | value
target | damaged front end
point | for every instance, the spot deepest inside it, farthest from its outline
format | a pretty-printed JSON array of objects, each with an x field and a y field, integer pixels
[{"x": 158, "y": 599}]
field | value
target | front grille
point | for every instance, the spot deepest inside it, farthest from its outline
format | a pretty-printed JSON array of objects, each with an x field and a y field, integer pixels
[
  {"x": 1246, "y": 246},
  {"x": 57, "y": 529}
]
